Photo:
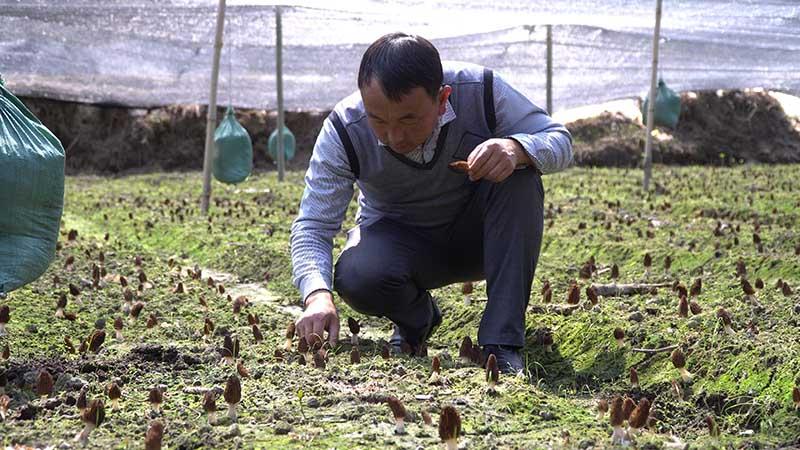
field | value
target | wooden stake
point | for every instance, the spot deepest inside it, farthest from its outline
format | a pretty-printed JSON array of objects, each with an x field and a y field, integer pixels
[
  {"x": 550, "y": 69},
  {"x": 279, "y": 88},
  {"x": 212, "y": 110},
  {"x": 651, "y": 104}
]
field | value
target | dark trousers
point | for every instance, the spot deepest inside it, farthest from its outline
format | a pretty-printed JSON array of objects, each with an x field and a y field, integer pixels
[{"x": 387, "y": 268}]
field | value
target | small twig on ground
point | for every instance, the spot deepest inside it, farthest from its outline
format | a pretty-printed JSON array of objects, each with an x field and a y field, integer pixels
[{"x": 651, "y": 351}]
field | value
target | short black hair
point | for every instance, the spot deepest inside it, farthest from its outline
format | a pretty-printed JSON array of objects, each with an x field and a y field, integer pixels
[{"x": 401, "y": 62}]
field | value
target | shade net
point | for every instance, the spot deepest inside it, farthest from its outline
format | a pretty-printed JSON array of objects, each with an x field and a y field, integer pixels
[{"x": 151, "y": 53}]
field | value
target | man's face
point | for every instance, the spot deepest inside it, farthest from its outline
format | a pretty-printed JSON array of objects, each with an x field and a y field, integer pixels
[{"x": 406, "y": 124}]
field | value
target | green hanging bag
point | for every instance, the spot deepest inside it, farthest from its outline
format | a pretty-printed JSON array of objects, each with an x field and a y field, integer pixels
[
  {"x": 31, "y": 193},
  {"x": 233, "y": 156},
  {"x": 667, "y": 109},
  {"x": 289, "y": 144}
]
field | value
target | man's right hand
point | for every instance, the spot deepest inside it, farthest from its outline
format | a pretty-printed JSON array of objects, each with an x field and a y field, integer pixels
[{"x": 319, "y": 316}]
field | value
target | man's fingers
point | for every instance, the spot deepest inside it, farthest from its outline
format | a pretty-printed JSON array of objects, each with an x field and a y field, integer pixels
[
  {"x": 474, "y": 154},
  {"x": 479, "y": 157},
  {"x": 333, "y": 331},
  {"x": 490, "y": 161},
  {"x": 498, "y": 174},
  {"x": 317, "y": 332}
]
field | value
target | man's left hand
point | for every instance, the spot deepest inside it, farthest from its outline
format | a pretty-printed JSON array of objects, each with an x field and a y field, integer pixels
[{"x": 496, "y": 159}]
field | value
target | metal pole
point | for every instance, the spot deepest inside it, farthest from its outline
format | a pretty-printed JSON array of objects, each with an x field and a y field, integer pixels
[
  {"x": 651, "y": 104},
  {"x": 279, "y": 86},
  {"x": 550, "y": 69},
  {"x": 211, "y": 121}
]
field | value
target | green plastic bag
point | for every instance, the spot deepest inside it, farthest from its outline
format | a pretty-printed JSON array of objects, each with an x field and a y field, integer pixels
[
  {"x": 233, "y": 158},
  {"x": 289, "y": 144},
  {"x": 31, "y": 193},
  {"x": 668, "y": 106}
]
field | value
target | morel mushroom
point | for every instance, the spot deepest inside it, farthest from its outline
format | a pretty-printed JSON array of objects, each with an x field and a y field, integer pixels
[
  {"x": 602, "y": 408},
  {"x": 725, "y": 317},
  {"x": 399, "y": 414},
  {"x": 61, "y": 303},
  {"x": 118, "y": 325},
  {"x": 355, "y": 328},
  {"x": 114, "y": 394},
  {"x": 617, "y": 417},
  {"x": 639, "y": 416},
  {"x": 467, "y": 289},
  {"x": 492, "y": 373},
  {"x": 154, "y": 436},
  {"x": 436, "y": 377},
  {"x": 679, "y": 361},
  {"x": 619, "y": 335},
  {"x": 44, "y": 383},
  {"x": 449, "y": 427},
  {"x": 210, "y": 406},
  {"x": 156, "y": 398},
  {"x": 92, "y": 418},
  {"x": 5, "y": 317},
  {"x": 233, "y": 395}
]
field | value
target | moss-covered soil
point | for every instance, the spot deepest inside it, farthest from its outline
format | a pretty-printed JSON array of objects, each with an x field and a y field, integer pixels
[{"x": 704, "y": 219}]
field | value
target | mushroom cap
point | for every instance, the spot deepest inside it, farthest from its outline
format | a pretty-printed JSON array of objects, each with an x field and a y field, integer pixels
[
  {"x": 233, "y": 390},
  {"x": 467, "y": 288},
  {"x": 118, "y": 323},
  {"x": 209, "y": 401},
  {"x": 136, "y": 309},
  {"x": 154, "y": 435},
  {"x": 640, "y": 414},
  {"x": 353, "y": 325},
  {"x": 648, "y": 260},
  {"x": 492, "y": 372},
  {"x": 44, "y": 383},
  {"x": 257, "y": 333},
  {"x": 627, "y": 407},
  {"x": 155, "y": 396},
  {"x": 62, "y": 300},
  {"x": 678, "y": 359},
  {"x": 602, "y": 405},
  {"x": 5, "y": 313},
  {"x": 449, "y": 424},
  {"x": 619, "y": 333},
  {"x": 290, "y": 330},
  {"x": 747, "y": 288},
  {"x": 96, "y": 340},
  {"x": 634, "y": 376},
  {"x": 95, "y": 413},
  {"x": 725, "y": 316},
  {"x": 398, "y": 410},
  {"x": 436, "y": 364},
  {"x": 796, "y": 394},
  {"x": 114, "y": 392},
  {"x": 617, "y": 416},
  {"x": 574, "y": 295},
  {"x": 465, "y": 351},
  {"x": 82, "y": 403}
]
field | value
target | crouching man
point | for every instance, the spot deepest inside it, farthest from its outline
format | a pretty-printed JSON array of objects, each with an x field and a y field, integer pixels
[{"x": 422, "y": 223}]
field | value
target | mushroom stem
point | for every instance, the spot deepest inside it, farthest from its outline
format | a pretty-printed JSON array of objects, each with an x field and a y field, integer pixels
[
  {"x": 232, "y": 411},
  {"x": 600, "y": 415},
  {"x": 451, "y": 444},
  {"x": 156, "y": 407},
  {"x": 467, "y": 299},
  {"x": 115, "y": 403},
  {"x": 729, "y": 330},
  {"x": 83, "y": 436},
  {"x": 399, "y": 425},
  {"x": 212, "y": 417},
  {"x": 620, "y": 343},
  {"x": 435, "y": 378},
  {"x": 118, "y": 335},
  {"x": 618, "y": 437},
  {"x": 2, "y": 329},
  {"x": 228, "y": 360},
  {"x": 548, "y": 348},
  {"x": 354, "y": 339},
  {"x": 60, "y": 313},
  {"x": 685, "y": 375}
]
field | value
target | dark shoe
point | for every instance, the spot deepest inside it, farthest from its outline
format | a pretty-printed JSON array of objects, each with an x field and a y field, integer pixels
[
  {"x": 509, "y": 359},
  {"x": 400, "y": 341}
]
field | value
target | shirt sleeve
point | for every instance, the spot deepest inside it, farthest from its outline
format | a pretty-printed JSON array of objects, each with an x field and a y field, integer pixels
[
  {"x": 547, "y": 142},
  {"x": 329, "y": 189}
]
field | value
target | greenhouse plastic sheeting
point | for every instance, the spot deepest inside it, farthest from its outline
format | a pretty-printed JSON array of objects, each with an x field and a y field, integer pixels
[
  {"x": 31, "y": 194},
  {"x": 150, "y": 53}
]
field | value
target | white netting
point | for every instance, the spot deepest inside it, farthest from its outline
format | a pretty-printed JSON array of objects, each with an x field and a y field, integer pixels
[{"x": 148, "y": 53}]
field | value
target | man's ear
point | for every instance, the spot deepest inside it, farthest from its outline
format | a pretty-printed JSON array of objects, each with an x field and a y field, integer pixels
[{"x": 444, "y": 94}]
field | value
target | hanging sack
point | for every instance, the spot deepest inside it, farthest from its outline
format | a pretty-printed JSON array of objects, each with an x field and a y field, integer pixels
[
  {"x": 31, "y": 193},
  {"x": 233, "y": 158}
]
